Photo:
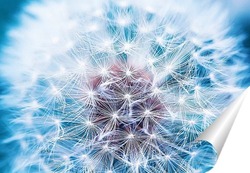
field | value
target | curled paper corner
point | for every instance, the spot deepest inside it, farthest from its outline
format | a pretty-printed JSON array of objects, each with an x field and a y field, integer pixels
[
  {"x": 215, "y": 136},
  {"x": 217, "y": 133}
]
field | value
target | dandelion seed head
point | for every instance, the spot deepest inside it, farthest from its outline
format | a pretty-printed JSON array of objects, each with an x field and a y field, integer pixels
[{"x": 117, "y": 86}]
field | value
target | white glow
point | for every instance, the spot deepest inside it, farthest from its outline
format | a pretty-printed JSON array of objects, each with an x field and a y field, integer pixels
[
  {"x": 167, "y": 157},
  {"x": 160, "y": 40},
  {"x": 98, "y": 13},
  {"x": 54, "y": 91},
  {"x": 104, "y": 71},
  {"x": 193, "y": 154},
  {"x": 131, "y": 136},
  {"x": 195, "y": 55},
  {"x": 107, "y": 43},
  {"x": 151, "y": 61},
  {"x": 35, "y": 105},
  {"x": 127, "y": 46},
  {"x": 39, "y": 138},
  {"x": 169, "y": 68},
  {"x": 145, "y": 29},
  {"x": 89, "y": 123},
  {"x": 152, "y": 136},
  {"x": 105, "y": 147},
  {"x": 197, "y": 88},
  {"x": 115, "y": 116},
  {"x": 128, "y": 73},
  {"x": 181, "y": 100},
  {"x": 123, "y": 21},
  {"x": 127, "y": 96},
  {"x": 156, "y": 91},
  {"x": 84, "y": 156},
  {"x": 57, "y": 122},
  {"x": 91, "y": 93},
  {"x": 147, "y": 112},
  {"x": 191, "y": 122},
  {"x": 93, "y": 27}
]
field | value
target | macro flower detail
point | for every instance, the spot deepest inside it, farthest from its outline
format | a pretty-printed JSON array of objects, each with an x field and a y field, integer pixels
[{"x": 117, "y": 87}]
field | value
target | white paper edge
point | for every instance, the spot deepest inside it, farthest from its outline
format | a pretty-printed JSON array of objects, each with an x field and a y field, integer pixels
[{"x": 217, "y": 133}]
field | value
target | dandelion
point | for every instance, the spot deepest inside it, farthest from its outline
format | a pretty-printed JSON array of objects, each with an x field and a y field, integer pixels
[{"x": 117, "y": 86}]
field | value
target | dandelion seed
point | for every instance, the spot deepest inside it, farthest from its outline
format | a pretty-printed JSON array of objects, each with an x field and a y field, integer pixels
[
  {"x": 152, "y": 136},
  {"x": 131, "y": 136},
  {"x": 115, "y": 116},
  {"x": 191, "y": 122},
  {"x": 167, "y": 157},
  {"x": 160, "y": 40},
  {"x": 127, "y": 96},
  {"x": 127, "y": 47},
  {"x": 181, "y": 100},
  {"x": 104, "y": 71},
  {"x": 89, "y": 123},
  {"x": 169, "y": 69}
]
